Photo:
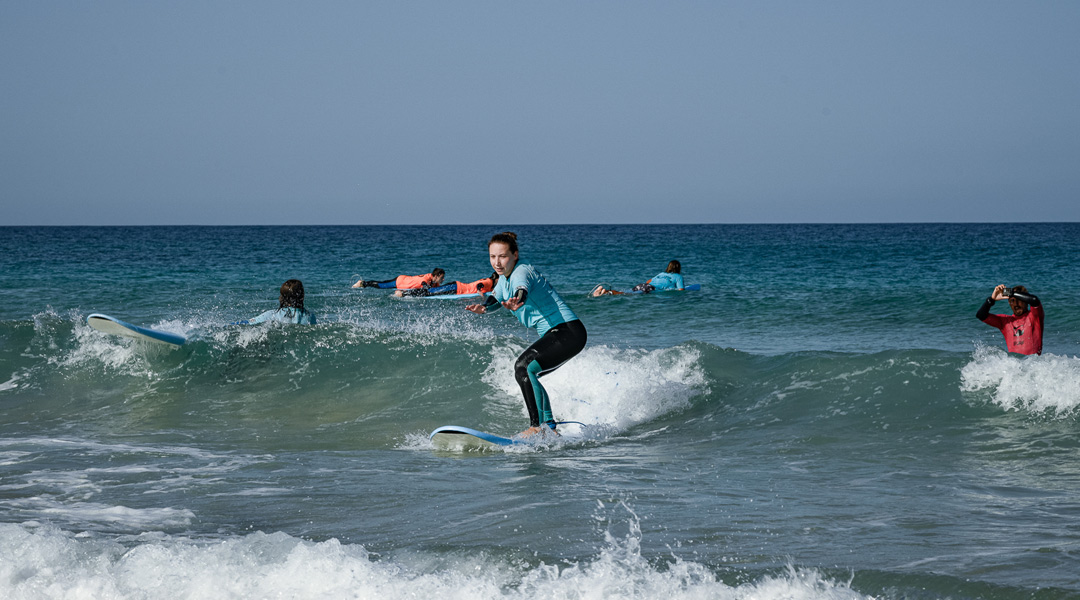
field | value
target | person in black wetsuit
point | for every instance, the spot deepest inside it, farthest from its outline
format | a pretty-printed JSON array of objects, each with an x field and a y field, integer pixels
[{"x": 527, "y": 294}]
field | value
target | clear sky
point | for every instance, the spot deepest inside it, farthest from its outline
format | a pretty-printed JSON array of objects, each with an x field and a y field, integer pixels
[{"x": 503, "y": 111}]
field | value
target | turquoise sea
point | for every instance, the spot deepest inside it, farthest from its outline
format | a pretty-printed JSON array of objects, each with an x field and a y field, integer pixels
[{"x": 825, "y": 419}]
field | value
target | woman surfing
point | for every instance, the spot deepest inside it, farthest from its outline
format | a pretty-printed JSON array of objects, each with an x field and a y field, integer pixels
[{"x": 524, "y": 291}]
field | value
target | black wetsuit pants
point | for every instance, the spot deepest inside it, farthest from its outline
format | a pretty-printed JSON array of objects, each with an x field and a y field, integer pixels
[{"x": 558, "y": 345}]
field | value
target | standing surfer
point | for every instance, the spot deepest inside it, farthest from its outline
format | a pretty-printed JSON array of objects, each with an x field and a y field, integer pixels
[{"x": 524, "y": 290}]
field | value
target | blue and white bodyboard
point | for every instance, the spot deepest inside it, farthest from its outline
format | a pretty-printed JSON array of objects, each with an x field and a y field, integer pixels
[
  {"x": 114, "y": 326},
  {"x": 453, "y": 437}
]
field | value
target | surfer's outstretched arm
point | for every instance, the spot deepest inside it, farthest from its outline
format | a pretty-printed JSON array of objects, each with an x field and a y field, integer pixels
[
  {"x": 490, "y": 305},
  {"x": 1029, "y": 299},
  {"x": 984, "y": 310}
]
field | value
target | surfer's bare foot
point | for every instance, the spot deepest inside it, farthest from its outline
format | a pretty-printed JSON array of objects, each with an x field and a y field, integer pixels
[
  {"x": 358, "y": 284},
  {"x": 543, "y": 430}
]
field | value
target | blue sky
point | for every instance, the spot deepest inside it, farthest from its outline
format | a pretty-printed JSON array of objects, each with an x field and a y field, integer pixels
[{"x": 398, "y": 112}]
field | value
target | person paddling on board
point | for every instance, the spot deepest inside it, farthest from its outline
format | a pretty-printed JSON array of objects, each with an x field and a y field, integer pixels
[
  {"x": 523, "y": 290},
  {"x": 407, "y": 282},
  {"x": 1023, "y": 329},
  {"x": 480, "y": 286},
  {"x": 290, "y": 307},
  {"x": 670, "y": 279}
]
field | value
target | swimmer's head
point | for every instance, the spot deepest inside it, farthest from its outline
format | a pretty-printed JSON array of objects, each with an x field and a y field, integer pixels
[
  {"x": 503, "y": 252},
  {"x": 507, "y": 237},
  {"x": 437, "y": 276},
  {"x": 292, "y": 294},
  {"x": 673, "y": 267},
  {"x": 1019, "y": 307}
]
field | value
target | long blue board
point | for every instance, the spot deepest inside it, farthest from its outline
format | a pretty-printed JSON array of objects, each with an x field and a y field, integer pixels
[
  {"x": 114, "y": 326},
  {"x": 693, "y": 287},
  {"x": 455, "y": 437}
]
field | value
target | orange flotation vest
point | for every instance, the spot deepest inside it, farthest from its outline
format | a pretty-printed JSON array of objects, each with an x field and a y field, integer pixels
[
  {"x": 478, "y": 286},
  {"x": 413, "y": 282}
]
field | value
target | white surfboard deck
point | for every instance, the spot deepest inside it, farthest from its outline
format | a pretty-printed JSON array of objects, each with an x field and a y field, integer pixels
[
  {"x": 442, "y": 296},
  {"x": 114, "y": 326}
]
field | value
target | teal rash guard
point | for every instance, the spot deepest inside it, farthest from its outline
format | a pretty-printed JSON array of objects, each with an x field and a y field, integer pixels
[
  {"x": 562, "y": 335},
  {"x": 285, "y": 315},
  {"x": 667, "y": 281},
  {"x": 543, "y": 308}
]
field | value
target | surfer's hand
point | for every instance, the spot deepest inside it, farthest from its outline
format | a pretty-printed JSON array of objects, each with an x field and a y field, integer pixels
[
  {"x": 476, "y": 308},
  {"x": 999, "y": 293},
  {"x": 513, "y": 304}
]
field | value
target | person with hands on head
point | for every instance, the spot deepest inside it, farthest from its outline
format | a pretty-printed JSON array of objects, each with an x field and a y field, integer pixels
[
  {"x": 524, "y": 291},
  {"x": 1023, "y": 330}
]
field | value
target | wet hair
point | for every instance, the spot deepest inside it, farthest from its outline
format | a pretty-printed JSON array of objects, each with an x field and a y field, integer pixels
[
  {"x": 437, "y": 273},
  {"x": 292, "y": 295},
  {"x": 507, "y": 237},
  {"x": 674, "y": 267}
]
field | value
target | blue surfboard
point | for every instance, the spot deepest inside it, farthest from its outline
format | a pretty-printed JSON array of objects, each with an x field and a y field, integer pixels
[
  {"x": 693, "y": 287},
  {"x": 114, "y": 326},
  {"x": 455, "y": 437}
]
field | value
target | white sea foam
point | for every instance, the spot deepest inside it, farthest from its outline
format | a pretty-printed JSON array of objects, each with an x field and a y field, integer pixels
[
  {"x": 129, "y": 518},
  {"x": 1042, "y": 384},
  {"x": 102, "y": 448},
  {"x": 240, "y": 336},
  {"x": 11, "y": 384},
  {"x": 45, "y": 562},
  {"x": 619, "y": 388},
  {"x": 608, "y": 390},
  {"x": 74, "y": 496},
  {"x": 114, "y": 352}
]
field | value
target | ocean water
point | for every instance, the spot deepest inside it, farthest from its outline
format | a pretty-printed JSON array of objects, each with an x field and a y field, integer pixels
[{"x": 825, "y": 419}]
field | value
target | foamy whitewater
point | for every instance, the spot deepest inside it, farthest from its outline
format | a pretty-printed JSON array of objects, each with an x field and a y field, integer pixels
[{"x": 825, "y": 419}]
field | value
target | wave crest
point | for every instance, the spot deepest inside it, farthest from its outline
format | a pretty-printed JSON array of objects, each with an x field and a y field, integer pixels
[{"x": 1039, "y": 384}]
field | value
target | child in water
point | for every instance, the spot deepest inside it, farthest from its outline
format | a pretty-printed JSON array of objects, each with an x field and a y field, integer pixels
[
  {"x": 290, "y": 307},
  {"x": 670, "y": 279}
]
